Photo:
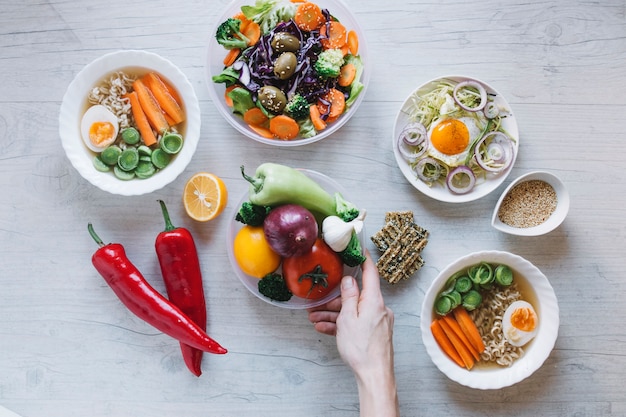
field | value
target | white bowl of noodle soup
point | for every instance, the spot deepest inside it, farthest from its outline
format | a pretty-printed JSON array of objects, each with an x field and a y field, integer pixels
[{"x": 532, "y": 286}]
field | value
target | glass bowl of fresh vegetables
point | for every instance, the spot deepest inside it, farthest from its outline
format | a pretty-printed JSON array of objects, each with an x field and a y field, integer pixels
[
  {"x": 130, "y": 122},
  {"x": 287, "y": 73},
  {"x": 489, "y": 319},
  {"x": 292, "y": 242}
]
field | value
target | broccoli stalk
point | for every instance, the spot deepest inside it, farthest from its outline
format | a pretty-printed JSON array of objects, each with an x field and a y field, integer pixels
[
  {"x": 229, "y": 35},
  {"x": 298, "y": 107},
  {"x": 252, "y": 214},
  {"x": 273, "y": 286},
  {"x": 329, "y": 62},
  {"x": 352, "y": 255},
  {"x": 345, "y": 209}
]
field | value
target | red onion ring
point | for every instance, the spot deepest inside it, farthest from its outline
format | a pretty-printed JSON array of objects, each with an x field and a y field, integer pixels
[
  {"x": 412, "y": 141},
  {"x": 477, "y": 86},
  {"x": 494, "y": 152},
  {"x": 428, "y": 169},
  {"x": 461, "y": 180},
  {"x": 491, "y": 110}
]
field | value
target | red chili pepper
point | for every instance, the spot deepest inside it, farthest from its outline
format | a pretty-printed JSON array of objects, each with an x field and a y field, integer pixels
[
  {"x": 180, "y": 268},
  {"x": 143, "y": 300}
]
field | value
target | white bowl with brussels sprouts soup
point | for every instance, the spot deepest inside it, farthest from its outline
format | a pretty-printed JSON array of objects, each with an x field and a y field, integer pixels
[
  {"x": 130, "y": 122},
  {"x": 489, "y": 320}
]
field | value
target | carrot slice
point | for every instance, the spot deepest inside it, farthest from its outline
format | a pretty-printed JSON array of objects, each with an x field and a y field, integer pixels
[
  {"x": 333, "y": 35},
  {"x": 353, "y": 42},
  {"x": 445, "y": 344},
  {"x": 469, "y": 327},
  {"x": 309, "y": 17},
  {"x": 284, "y": 127},
  {"x": 141, "y": 121},
  {"x": 165, "y": 100},
  {"x": 347, "y": 74},
  {"x": 262, "y": 131},
  {"x": 468, "y": 360},
  {"x": 337, "y": 103},
  {"x": 227, "y": 99},
  {"x": 255, "y": 116},
  {"x": 454, "y": 325},
  {"x": 252, "y": 31},
  {"x": 150, "y": 107},
  {"x": 316, "y": 118},
  {"x": 231, "y": 56}
]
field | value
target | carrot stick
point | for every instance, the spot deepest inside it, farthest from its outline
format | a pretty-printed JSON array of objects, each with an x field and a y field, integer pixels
[
  {"x": 333, "y": 35},
  {"x": 150, "y": 107},
  {"x": 337, "y": 103},
  {"x": 353, "y": 42},
  {"x": 141, "y": 120},
  {"x": 347, "y": 75},
  {"x": 163, "y": 97},
  {"x": 445, "y": 344},
  {"x": 309, "y": 17},
  {"x": 263, "y": 131},
  {"x": 316, "y": 118},
  {"x": 457, "y": 329},
  {"x": 468, "y": 360},
  {"x": 284, "y": 127},
  {"x": 255, "y": 116},
  {"x": 231, "y": 56},
  {"x": 469, "y": 327}
]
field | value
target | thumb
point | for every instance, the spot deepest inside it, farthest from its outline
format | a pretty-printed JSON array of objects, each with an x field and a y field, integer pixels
[{"x": 349, "y": 295}]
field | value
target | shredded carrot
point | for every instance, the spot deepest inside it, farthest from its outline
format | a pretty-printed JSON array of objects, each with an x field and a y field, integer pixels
[
  {"x": 333, "y": 35},
  {"x": 150, "y": 107},
  {"x": 337, "y": 103},
  {"x": 347, "y": 75},
  {"x": 316, "y": 118},
  {"x": 467, "y": 357},
  {"x": 284, "y": 127},
  {"x": 445, "y": 344},
  {"x": 454, "y": 325},
  {"x": 263, "y": 131},
  {"x": 231, "y": 56},
  {"x": 255, "y": 116},
  {"x": 141, "y": 121},
  {"x": 353, "y": 42},
  {"x": 162, "y": 95},
  {"x": 309, "y": 17},
  {"x": 469, "y": 327}
]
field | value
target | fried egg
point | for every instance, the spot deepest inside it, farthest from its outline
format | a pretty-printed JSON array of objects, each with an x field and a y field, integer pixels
[
  {"x": 520, "y": 323},
  {"x": 449, "y": 139},
  {"x": 99, "y": 128}
]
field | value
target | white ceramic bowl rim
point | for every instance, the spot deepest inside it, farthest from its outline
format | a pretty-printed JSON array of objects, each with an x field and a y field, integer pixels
[
  {"x": 534, "y": 355},
  {"x": 74, "y": 104},
  {"x": 441, "y": 193},
  {"x": 562, "y": 208},
  {"x": 215, "y": 55}
]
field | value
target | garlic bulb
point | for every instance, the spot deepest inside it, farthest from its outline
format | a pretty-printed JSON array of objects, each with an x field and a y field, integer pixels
[{"x": 337, "y": 233}]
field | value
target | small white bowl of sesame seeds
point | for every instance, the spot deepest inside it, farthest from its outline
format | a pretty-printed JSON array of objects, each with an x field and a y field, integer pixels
[{"x": 534, "y": 204}]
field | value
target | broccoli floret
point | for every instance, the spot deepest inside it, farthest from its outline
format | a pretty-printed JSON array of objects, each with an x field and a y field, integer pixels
[
  {"x": 242, "y": 100},
  {"x": 345, "y": 209},
  {"x": 352, "y": 255},
  {"x": 273, "y": 286},
  {"x": 298, "y": 107},
  {"x": 252, "y": 214},
  {"x": 229, "y": 36},
  {"x": 329, "y": 62}
]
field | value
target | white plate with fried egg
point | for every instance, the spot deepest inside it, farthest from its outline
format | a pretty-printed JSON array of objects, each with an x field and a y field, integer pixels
[{"x": 466, "y": 148}]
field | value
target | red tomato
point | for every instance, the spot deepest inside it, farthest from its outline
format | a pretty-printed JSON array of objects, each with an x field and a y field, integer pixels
[{"x": 314, "y": 274}]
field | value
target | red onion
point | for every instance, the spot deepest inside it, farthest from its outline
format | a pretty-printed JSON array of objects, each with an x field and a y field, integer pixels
[
  {"x": 494, "y": 152},
  {"x": 461, "y": 180},
  {"x": 428, "y": 169},
  {"x": 290, "y": 230},
  {"x": 491, "y": 110},
  {"x": 477, "y": 86},
  {"x": 412, "y": 141}
]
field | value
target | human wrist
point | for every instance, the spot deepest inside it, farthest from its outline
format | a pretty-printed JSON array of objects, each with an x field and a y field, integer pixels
[{"x": 378, "y": 392}]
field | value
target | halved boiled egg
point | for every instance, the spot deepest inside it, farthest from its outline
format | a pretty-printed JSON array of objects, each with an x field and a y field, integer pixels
[
  {"x": 520, "y": 323},
  {"x": 450, "y": 139},
  {"x": 99, "y": 128}
]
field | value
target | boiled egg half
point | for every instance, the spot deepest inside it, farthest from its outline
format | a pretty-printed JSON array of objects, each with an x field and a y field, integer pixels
[
  {"x": 99, "y": 128},
  {"x": 450, "y": 139},
  {"x": 520, "y": 323}
]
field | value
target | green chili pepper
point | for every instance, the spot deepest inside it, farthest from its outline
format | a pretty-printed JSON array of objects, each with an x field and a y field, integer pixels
[{"x": 275, "y": 184}]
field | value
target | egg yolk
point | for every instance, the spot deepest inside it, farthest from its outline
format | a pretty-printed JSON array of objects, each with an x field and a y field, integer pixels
[
  {"x": 523, "y": 319},
  {"x": 100, "y": 132},
  {"x": 450, "y": 137}
]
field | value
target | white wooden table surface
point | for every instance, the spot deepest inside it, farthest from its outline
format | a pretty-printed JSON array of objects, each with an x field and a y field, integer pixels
[{"x": 68, "y": 348}]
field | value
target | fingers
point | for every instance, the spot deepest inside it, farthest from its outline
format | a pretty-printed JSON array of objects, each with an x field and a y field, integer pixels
[
  {"x": 323, "y": 316},
  {"x": 370, "y": 277},
  {"x": 349, "y": 295},
  {"x": 332, "y": 305},
  {"x": 327, "y": 328}
]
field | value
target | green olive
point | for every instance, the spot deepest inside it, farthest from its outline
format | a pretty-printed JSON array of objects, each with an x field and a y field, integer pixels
[
  {"x": 272, "y": 99},
  {"x": 285, "y": 65},
  {"x": 285, "y": 42}
]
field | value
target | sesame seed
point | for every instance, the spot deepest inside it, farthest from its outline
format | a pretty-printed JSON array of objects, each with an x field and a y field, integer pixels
[{"x": 528, "y": 204}]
